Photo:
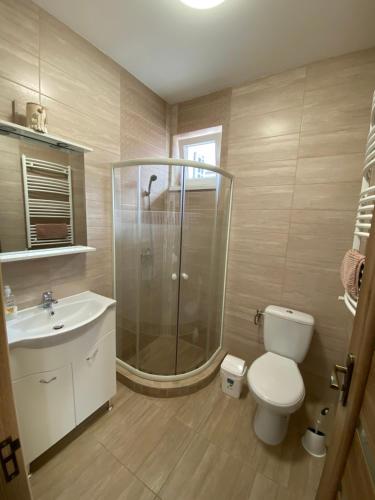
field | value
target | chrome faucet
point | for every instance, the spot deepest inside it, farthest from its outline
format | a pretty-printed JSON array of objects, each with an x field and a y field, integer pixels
[{"x": 48, "y": 301}]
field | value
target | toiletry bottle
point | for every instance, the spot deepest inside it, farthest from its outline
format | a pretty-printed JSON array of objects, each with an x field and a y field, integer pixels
[{"x": 10, "y": 303}]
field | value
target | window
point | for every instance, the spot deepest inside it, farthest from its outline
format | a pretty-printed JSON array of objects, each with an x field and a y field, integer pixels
[{"x": 203, "y": 146}]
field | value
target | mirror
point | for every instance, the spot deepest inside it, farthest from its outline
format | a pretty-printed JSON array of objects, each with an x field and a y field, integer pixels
[{"x": 42, "y": 203}]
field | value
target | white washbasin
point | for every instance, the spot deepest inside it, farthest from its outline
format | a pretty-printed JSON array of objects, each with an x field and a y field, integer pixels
[{"x": 70, "y": 313}]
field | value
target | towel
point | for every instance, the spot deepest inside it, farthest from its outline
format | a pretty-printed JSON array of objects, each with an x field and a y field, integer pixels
[
  {"x": 351, "y": 272},
  {"x": 51, "y": 231}
]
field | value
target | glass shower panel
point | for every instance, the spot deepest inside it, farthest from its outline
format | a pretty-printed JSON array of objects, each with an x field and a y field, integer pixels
[
  {"x": 160, "y": 230},
  {"x": 218, "y": 264},
  {"x": 198, "y": 276},
  {"x": 147, "y": 246},
  {"x": 125, "y": 206}
]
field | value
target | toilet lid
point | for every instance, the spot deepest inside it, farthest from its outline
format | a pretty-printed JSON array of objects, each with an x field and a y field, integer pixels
[{"x": 276, "y": 379}]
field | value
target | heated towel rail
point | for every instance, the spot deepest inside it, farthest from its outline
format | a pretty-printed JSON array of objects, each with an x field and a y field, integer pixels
[
  {"x": 366, "y": 203},
  {"x": 48, "y": 199}
]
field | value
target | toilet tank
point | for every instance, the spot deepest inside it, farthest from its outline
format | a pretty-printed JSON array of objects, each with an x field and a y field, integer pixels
[{"x": 287, "y": 332}]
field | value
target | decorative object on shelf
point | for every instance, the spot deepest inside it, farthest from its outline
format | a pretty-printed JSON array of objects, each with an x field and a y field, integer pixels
[{"x": 36, "y": 117}]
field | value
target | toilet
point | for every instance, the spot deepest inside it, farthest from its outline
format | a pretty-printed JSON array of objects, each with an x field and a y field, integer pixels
[{"x": 274, "y": 378}]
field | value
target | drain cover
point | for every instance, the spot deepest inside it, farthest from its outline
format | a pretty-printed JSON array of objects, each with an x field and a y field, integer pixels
[{"x": 58, "y": 327}]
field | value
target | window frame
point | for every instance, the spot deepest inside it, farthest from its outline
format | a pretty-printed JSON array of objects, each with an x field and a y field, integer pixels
[{"x": 180, "y": 141}]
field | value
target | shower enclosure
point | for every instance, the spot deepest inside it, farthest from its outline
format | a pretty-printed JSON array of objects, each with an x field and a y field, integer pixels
[{"x": 171, "y": 223}]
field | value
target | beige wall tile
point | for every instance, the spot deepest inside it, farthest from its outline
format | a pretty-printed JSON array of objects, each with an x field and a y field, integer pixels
[
  {"x": 256, "y": 101},
  {"x": 18, "y": 65},
  {"x": 65, "y": 121},
  {"x": 204, "y": 112},
  {"x": 333, "y": 196},
  {"x": 321, "y": 243},
  {"x": 264, "y": 172},
  {"x": 72, "y": 54},
  {"x": 19, "y": 24},
  {"x": 325, "y": 169},
  {"x": 262, "y": 197},
  {"x": 284, "y": 147},
  {"x": 10, "y": 91},
  {"x": 19, "y": 42},
  {"x": 357, "y": 66},
  {"x": 333, "y": 143},
  {"x": 274, "y": 220},
  {"x": 285, "y": 121},
  {"x": 90, "y": 94},
  {"x": 347, "y": 108},
  {"x": 258, "y": 241}
]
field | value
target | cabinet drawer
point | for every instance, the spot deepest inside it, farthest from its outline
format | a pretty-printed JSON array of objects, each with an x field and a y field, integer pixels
[
  {"x": 45, "y": 409},
  {"x": 95, "y": 377}
]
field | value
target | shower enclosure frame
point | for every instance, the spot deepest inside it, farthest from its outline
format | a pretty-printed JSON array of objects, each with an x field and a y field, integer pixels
[{"x": 171, "y": 162}]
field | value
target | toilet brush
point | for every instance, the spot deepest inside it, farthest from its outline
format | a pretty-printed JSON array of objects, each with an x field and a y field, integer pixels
[{"x": 314, "y": 440}]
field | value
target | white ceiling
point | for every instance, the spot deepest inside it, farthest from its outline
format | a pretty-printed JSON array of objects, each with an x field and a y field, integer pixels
[{"x": 182, "y": 53}]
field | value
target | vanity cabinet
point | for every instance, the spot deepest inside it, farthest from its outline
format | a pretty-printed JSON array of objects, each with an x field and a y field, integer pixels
[
  {"x": 45, "y": 409},
  {"x": 59, "y": 382},
  {"x": 94, "y": 369}
]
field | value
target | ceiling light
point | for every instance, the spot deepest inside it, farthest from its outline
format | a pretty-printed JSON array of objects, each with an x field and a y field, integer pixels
[{"x": 202, "y": 4}]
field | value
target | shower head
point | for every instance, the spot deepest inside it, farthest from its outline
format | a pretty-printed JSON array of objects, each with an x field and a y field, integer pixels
[{"x": 152, "y": 179}]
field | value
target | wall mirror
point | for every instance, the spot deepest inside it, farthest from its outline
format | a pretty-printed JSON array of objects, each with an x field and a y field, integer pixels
[{"x": 42, "y": 196}]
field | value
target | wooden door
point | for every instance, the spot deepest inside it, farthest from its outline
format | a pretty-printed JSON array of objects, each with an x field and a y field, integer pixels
[
  {"x": 346, "y": 446},
  {"x": 18, "y": 487}
]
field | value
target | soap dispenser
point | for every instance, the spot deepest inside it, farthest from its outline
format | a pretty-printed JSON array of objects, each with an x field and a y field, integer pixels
[{"x": 9, "y": 303}]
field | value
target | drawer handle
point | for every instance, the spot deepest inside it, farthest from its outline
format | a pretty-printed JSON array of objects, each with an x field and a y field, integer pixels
[
  {"x": 42, "y": 381},
  {"x": 92, "y": 355}
]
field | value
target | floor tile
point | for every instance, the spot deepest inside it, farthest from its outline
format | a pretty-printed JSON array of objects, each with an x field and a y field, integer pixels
[
  {"x": 196, "y": 447},
  {"x": 204, "y": 472},
  {"x": 263, "y": 488},
  {"x": 164, "y": 457}
]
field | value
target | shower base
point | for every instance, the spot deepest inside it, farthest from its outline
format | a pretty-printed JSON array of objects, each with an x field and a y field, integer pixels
[{"x": 170, "y": 388}]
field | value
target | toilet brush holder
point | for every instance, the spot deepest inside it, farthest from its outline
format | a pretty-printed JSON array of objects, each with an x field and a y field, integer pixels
[{"x": 314, "y": 442}]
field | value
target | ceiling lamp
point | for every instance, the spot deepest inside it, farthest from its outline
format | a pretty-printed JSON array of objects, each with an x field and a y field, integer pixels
[{"x": 202, "y": 4}]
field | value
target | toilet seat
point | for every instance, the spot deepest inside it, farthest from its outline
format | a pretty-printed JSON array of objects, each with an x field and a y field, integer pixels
[{"x": 277, "y": 381}]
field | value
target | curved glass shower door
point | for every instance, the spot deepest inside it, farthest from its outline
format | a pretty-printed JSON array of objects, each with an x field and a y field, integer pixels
[{"x": 170, "y": 238}]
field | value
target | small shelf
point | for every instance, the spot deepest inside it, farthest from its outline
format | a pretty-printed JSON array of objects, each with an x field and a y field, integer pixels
[
  {"x": 43, "y": 253},
  {"x": 15, "y": 130}
]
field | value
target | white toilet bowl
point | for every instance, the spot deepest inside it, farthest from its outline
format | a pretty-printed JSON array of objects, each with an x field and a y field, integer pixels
[{"x": 277, "y": 385}]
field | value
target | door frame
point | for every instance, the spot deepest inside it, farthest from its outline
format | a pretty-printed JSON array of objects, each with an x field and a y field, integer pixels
[
  {"x": 18, "y": 488},
  {"x": 362, "y": 344}
]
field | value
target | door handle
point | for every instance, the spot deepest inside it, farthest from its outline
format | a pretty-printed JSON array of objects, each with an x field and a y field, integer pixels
[
  {"x": 185, "y": 276},
  {"x": 174, "y": 276},
  {"x": 89, "y": 358},
  {"x": 43, "y": 381},
  {"x": 347, "y": 372}
]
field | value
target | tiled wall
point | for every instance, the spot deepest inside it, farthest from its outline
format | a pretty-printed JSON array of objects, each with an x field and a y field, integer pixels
[
  {"x": 296, "y": 144},
  {"x": 90, "y": 100},
  {"x": 204, "y": 112}
]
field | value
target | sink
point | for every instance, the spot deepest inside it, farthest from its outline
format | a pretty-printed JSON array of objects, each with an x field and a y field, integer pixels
[{"x": 70, "y": 314}]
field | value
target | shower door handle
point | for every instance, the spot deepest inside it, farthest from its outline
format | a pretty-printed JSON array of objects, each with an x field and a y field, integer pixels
[
  {"x": 184, "y": 276},
  {"x": 174, "y": 276}
]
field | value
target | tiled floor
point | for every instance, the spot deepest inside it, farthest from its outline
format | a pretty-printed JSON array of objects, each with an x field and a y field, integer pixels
[{"x": 196, "y": 447}]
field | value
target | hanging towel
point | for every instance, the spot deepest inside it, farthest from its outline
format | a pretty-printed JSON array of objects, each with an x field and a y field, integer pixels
[
  {"x": 351, "y": 272},
  {"x": 51, "y": 231}
]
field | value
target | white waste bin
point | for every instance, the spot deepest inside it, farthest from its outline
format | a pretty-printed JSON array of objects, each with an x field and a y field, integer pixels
[{"x": 232, "y": 373}]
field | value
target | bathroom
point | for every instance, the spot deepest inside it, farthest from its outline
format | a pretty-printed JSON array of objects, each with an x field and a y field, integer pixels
[{"x": 219, "y": 171}]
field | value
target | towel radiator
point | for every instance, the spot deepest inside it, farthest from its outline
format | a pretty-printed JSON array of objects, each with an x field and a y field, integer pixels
[
  {"x": 48, "y": 199},
  {"x": 366, "y": 204}
]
